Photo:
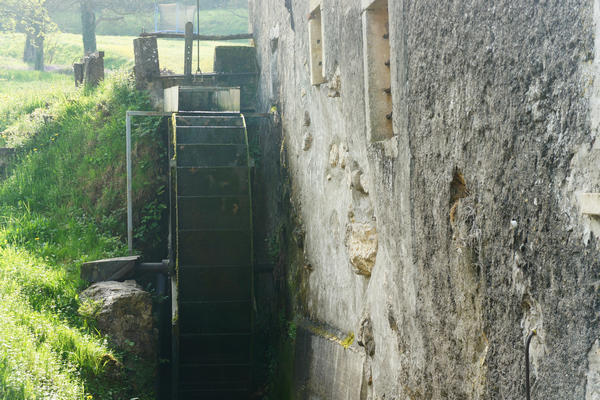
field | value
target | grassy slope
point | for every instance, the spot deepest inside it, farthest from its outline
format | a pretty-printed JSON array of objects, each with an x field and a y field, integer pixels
[{"x": 63, "y": 204}]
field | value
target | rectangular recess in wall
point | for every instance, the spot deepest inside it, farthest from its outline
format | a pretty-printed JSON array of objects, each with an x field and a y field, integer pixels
[
  {"x": 590, "y": 203},
  {"x": 315, "y": 36},
  {"x": 376, "y": 54}
]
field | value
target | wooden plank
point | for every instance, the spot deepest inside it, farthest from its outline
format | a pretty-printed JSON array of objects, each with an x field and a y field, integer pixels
[{"x": 161, "y": 35}]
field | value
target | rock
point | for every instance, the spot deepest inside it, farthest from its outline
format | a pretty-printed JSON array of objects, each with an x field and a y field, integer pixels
[
  {"x": 359, "y": 182},
  {"x": 123, "y": 311},
  {"x": 147, "y": 66},
  {"x": 93, "y": 69},
  {"x": 362, "y": 244},
  {"x": 306, "y": 118},
  {"x": 343, "y": 156},
  {"x": 78, "y": 74},
  {"x": 335, "y": 85},
  {"x": 308, "y": 139},
  {"x": 334, "y": 155},
  {"x": 365, "y": 336}
]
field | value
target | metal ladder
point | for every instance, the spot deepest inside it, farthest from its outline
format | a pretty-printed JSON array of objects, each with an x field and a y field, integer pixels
[{"x": 213, "y": 299}]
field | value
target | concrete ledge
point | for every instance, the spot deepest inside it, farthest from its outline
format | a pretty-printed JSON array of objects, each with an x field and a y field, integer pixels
[
  {"x": 326, "y": 369},
  {"x": 113, "y": 269},
  {"x": 590, "y": 203}
]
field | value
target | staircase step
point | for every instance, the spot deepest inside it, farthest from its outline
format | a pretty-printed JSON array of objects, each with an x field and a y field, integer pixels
[
  {"x": 215, "y": 318},
  {"x": 215, "y": 283},
  {"x": 215, "y": 350},
  {"x": 192, "y": 394},
  {"x": 213, "y": 135},
  {"x": 210, "y": 120},
  {"x": 202, "y": 155},
  {"x": 193, "y": 377},
  {"x": 214, "y": 181},
  {"x": 214, "y": 212},
  {"x": 214, "y": 375},
  {"x": 214, "y": 248}
]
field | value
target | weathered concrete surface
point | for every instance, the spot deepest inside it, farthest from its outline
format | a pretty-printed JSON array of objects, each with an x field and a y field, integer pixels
[
  {"x": 324, "y": 369},
  {"x": 504, "y": 92},
  {"x": 147, "y": 65},
  {"x": 93, "y": 68},
  {"x": 123, "y": 311},
  {"x": 111, "y": 269}
]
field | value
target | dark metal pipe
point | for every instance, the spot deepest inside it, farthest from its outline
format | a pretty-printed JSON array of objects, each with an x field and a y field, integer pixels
[
  {"x": 160, "y": 268},
  {"x": 527, "y": 343}
]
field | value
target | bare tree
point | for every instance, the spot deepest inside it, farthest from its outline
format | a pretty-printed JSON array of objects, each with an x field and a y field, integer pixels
[{"x": 94, "y": 12}]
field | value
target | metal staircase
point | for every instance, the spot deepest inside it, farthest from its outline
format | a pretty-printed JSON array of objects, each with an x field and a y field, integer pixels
[{"x": 212, "y": 230}]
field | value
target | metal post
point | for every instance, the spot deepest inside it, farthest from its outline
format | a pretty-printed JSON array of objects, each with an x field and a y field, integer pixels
[
  {"x": 129, "y": 188},
  {"x": 198, "y": 32}
]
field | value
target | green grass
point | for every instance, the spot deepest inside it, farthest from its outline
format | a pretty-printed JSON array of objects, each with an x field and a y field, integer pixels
[
  {"x": 63, "y": 49},
  {"x": 21, "y": 93},
  {"x": 62, "y": 205}
]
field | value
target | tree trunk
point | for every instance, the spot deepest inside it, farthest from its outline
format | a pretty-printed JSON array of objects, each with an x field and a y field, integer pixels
[
  {"x": 29, "y": 52},
  {"x": 39, "y": 53},
  {"x": 88, "y": 27}
]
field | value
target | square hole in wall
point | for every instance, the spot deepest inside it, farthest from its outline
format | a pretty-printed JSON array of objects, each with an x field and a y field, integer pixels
[
  {"x": 315, "y": 35},
  {"x": 376, "y": 54}
]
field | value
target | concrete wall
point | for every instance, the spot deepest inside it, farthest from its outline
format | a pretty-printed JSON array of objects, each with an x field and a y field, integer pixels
[{"x": 442, "y": 247}]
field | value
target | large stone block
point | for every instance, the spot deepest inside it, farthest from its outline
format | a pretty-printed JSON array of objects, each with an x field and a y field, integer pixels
[
  {"x": 147, "y": 66},
  {"x": 123, "y": 311},
  {"x": 93, "y": 68},
  {"x": 235, "y": 59}
]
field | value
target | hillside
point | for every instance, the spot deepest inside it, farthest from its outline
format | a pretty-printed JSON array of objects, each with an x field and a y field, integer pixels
[{"x": 62, "y": 203}]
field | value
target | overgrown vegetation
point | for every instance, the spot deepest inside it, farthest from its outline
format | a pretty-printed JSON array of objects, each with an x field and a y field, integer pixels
[{"x": 63, "y": 204}]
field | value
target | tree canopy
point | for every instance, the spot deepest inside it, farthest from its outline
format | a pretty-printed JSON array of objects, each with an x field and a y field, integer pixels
[{"x": 30, "y": 17}]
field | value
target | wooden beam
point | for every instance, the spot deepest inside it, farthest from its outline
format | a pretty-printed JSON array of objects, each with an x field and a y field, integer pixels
[
  {"x": 189, "y": 43},
  {"x": 161, "y": 35}
]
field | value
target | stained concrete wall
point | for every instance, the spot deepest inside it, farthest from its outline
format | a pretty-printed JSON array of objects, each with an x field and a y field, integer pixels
[{"x": 441, "y": 247}]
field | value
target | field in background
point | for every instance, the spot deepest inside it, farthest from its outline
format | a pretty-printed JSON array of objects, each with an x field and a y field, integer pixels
[
  {"x": 22, "y": 90},
  {"x": 212, "y": 22},
  {"x": 63, "y": 49}
]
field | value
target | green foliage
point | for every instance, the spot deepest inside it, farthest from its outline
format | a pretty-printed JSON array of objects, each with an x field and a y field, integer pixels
[
  {"x": 62, "y": 205},
  {"x": 29, "y": 16}
]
